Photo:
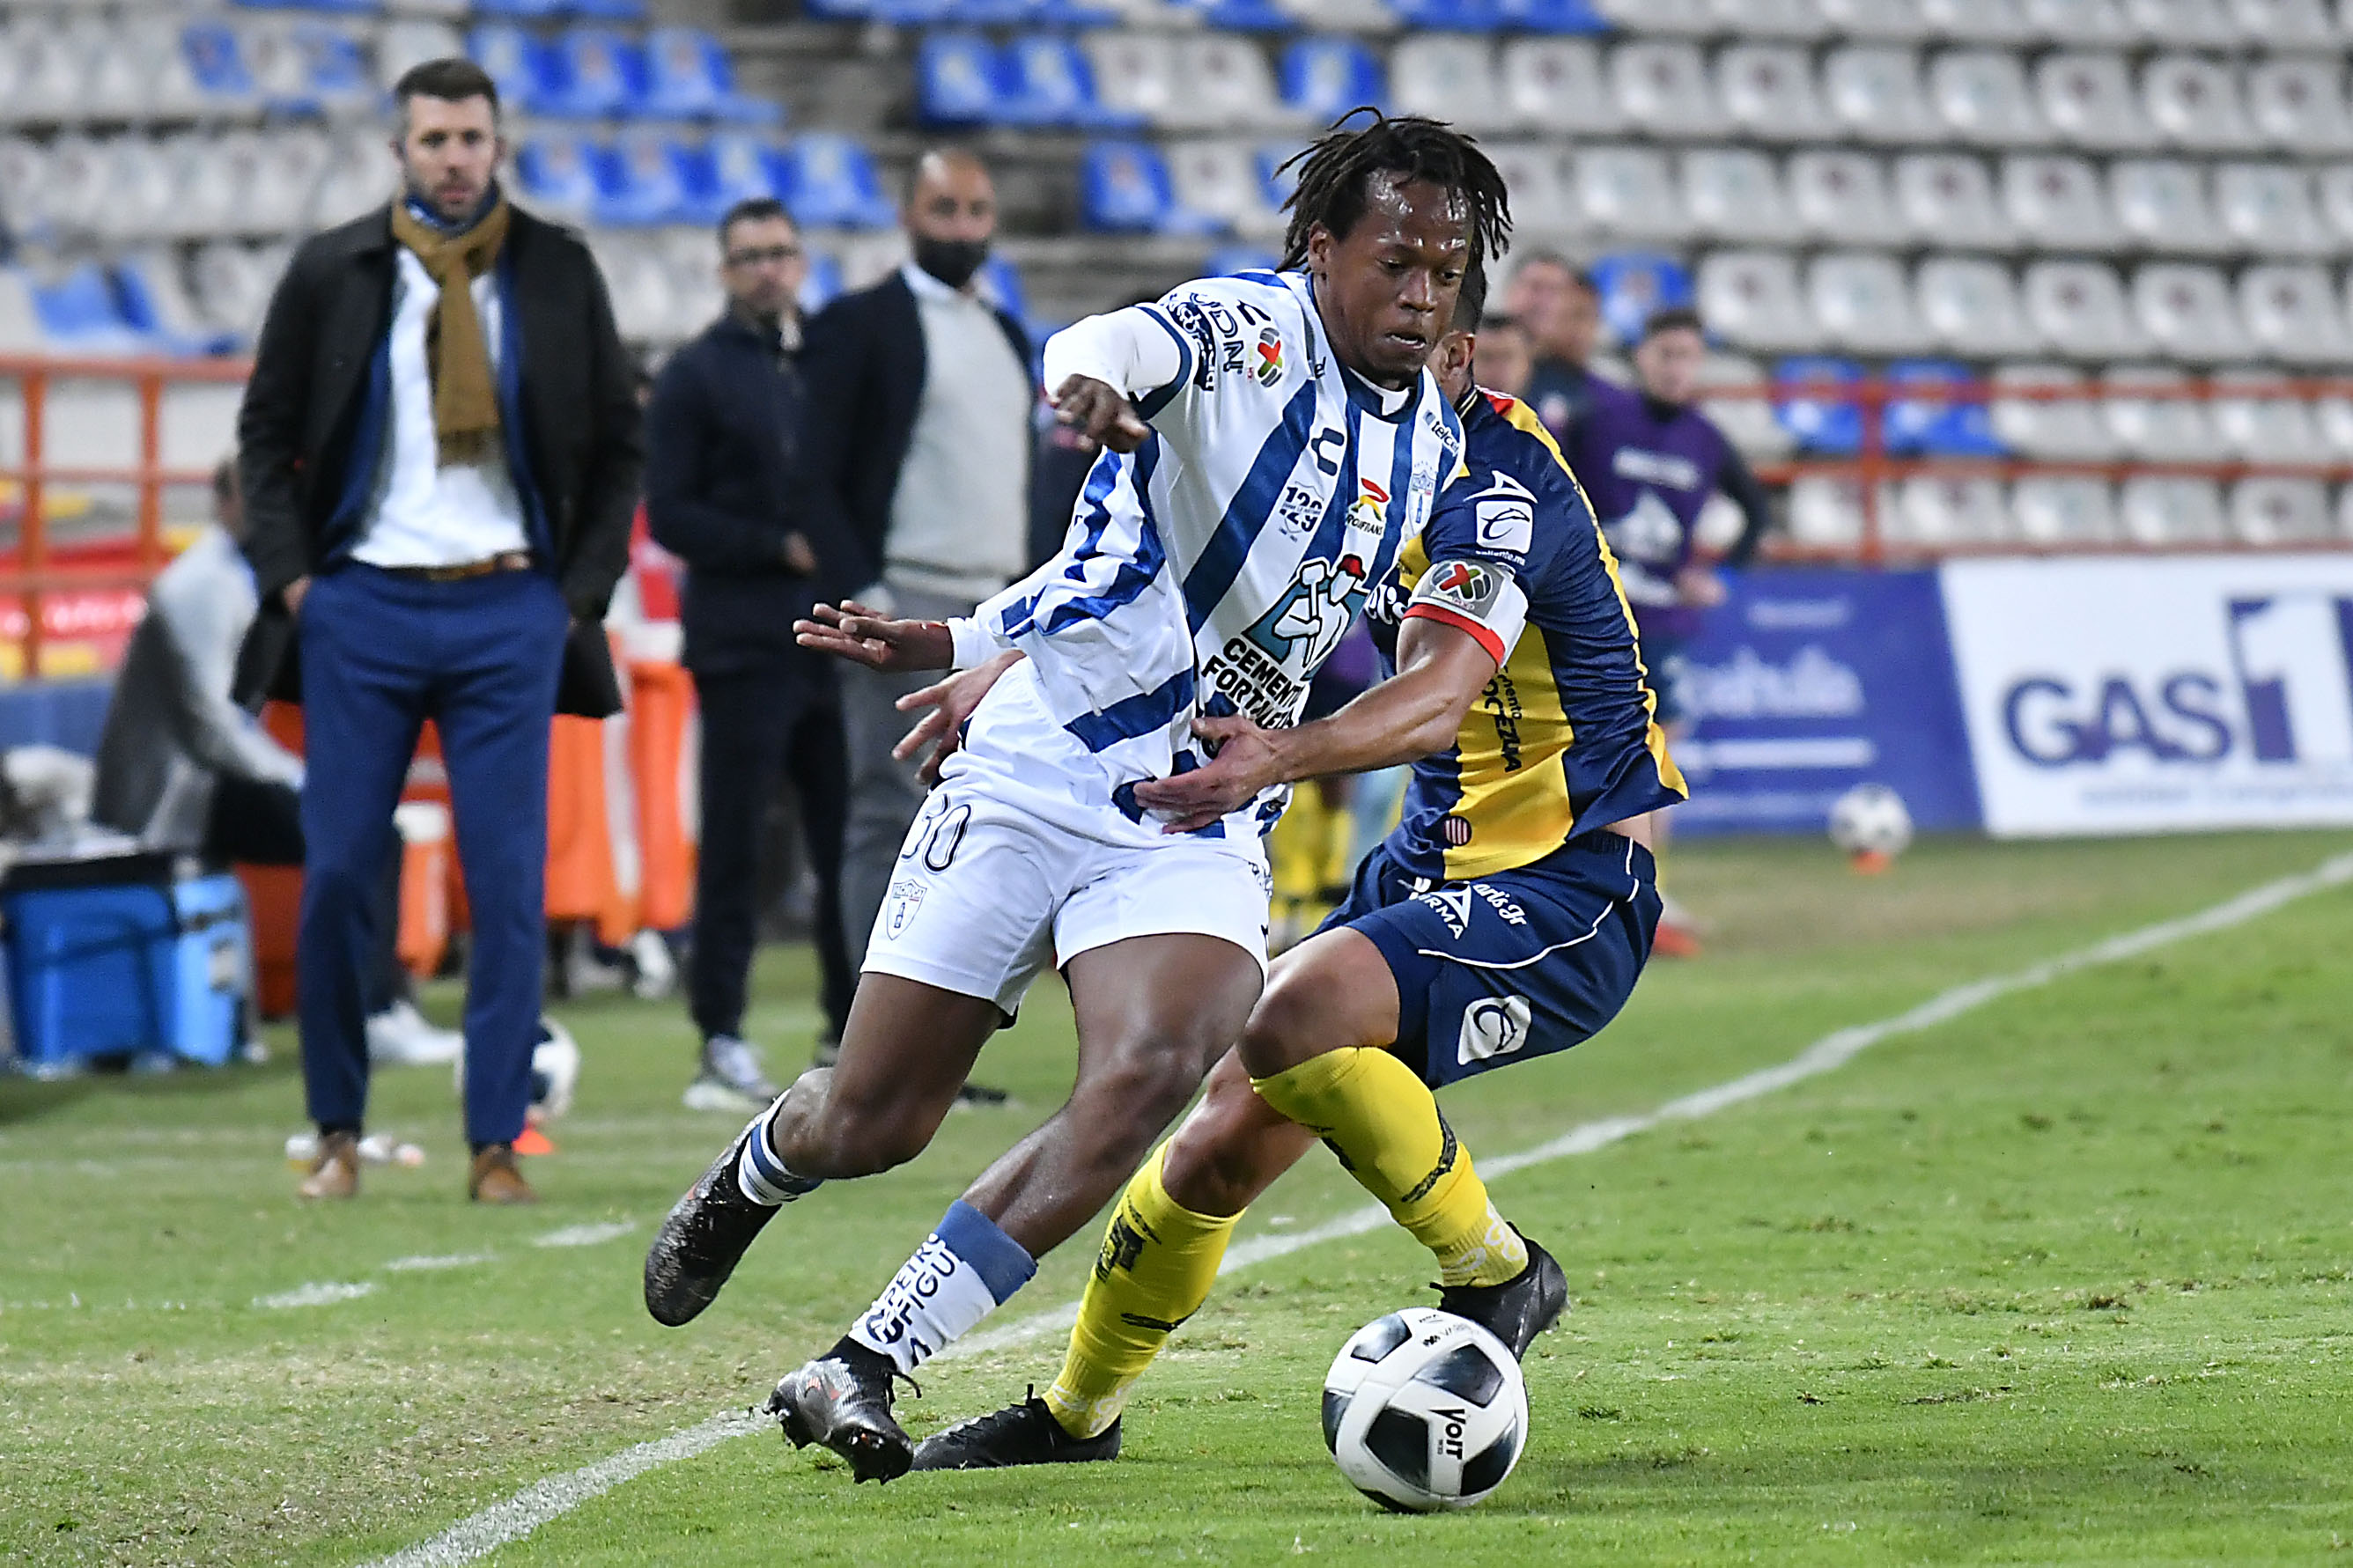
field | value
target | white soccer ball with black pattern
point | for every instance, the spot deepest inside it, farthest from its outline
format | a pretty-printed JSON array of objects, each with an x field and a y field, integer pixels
[
  {"x": 1425, "y": 1410},
  {"x": 1870, "y": 820}
]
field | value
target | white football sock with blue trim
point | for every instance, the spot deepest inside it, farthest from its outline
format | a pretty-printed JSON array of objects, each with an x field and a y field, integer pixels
[
  {"x": 964, "y": 1271},
  {"x": 761, "y": 1175}
]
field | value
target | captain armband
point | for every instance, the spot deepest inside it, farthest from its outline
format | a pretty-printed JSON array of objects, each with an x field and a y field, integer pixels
[{"x": 1477, "y": 597}]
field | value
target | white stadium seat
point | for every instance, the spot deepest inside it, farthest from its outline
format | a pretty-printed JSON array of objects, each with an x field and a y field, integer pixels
[
  {"x": 1935, "y": 510},
  {"x": 696, "y": 298},
  {"x": 1220, "y": 179},
  {"x": 2334, "y": 418},
  {"x": 2299, "y": 103},
  {"x": 2161, "y": 203},
  {"x": 1732, "y": 193},
  {"x": 1948, "y": 198},
  {"x": 1556, "y": 84},
  {"x": 1691, "y": 17},
  {"x": 1842, "y": 197},
  {"x": 1542, "y": 178},
  {"x": 2292, "y": 315},
  {"x": 2160, "y": 429},
  {"x": 411, "y": 41},
  {"x": 1752, "y": 300},
  {"x": 2273, "y": 508},
  {"x": 1134, "y": 72},
  {"x": 1626, "y": 192},
  {"x": 1874, "y": 92},
  {"x": 142, "y": 190},
  {"x": 2193, "y": 24},
  {"x": 1863, "y": 303},
  {"x": 2057, "y": 203},
  {"x": 1749, "y": 422},
  {"x": 1976, "y": 21},
  {"x": 2079, "y": 308},
  {"x": 1225, "y": 82},
  {"x": 1826, "y": 511},
  {"x": 2188, "y": 310},
  {"x": 48, "y": 68},
  {"x": 1662, "y": 87},
  {"x": 637, "y": 284},
  {"x": 2267, "y": 429},
  {"x": 1894, "y": 20},
  {"x": 1450, "y": 77},
  {"x": 2268, "y": 209},
  {"x": 2088, "y": 100},
  {"x": 74, "y": 185},
  {"x": 1982, "y": 95},
  {"x": 2287, "y": 24},
  {"x": 358, "y": 176},
  {"x": 2063, "y": 510},
  {"x": 1768, "y": 90},
  {"x": 2097, "y": 23},
  {"x": 1800, "y": 19},
  {"x": 2171, "y": 509},
  {"x": 2052, "y": 428},
  {"x": 2335, "y": 185},
  {"x": 1971, "y": 305},
  {"x": 233, "y": 283},
  {"x": 2194, "y": 103}
]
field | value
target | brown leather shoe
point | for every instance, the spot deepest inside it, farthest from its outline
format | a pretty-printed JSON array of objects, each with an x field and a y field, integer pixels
[
  {"x": 496, "y": 1180},
  {"x": 334, "y": 1169}
]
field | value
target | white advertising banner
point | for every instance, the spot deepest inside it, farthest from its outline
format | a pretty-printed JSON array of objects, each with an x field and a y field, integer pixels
[{"x": 2122, "y": 696}]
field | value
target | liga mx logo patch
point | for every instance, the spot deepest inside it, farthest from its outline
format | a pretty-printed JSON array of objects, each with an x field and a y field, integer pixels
[
  {"x": 1464, "y": 586},
  {"x": 1268, "y": 368}
]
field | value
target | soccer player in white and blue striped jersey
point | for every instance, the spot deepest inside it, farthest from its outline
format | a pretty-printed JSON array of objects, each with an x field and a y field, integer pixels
[{"x": 1274, "y": 440}]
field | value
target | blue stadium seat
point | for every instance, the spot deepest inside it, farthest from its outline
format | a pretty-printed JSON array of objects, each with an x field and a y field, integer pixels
[
  {"x": 1553, "y": 17},
  {"x": 609, "y": 10},
  {"x": 216, "y": 62},
  {"x": 338, "y": 72},
  {"x": 1449, "y": 15},
  {"x": 956, "y": 80},
  {"x": 1000, "y": 281},
  {"x": 1045, "y": 81},
  {"x": 1230, "y": 260},
  {"x": 733, "y": 167},
  {"x": 688, "y": 78},
  {"x": 142, "y": 301},
  {"x": 1124, "y": 188},
  {"x": 1280, "y": 182},
  {"x": 1634, "y": 284},
  {"x": 526, "y": 78},
  {"x": 823, "y": 282},
  {"x": 1239, "y": 15},
  {"x": 561, "y": 173},
  {"x": 597, "y": 74},
  {"x": 80, "y": 314},
  {"x": 523, "y": 10},
  {"x": 831, "y": 182},
  {"x": 642, "y": 183},
  {"x": 342, "y": 7},
  {"x": 1963, "y": 429},
  {"x": 1323, "y": 79},
  {"x": 1828, "y": 425}
]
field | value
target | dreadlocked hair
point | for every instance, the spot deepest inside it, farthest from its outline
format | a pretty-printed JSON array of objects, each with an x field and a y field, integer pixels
[{"x": 1335, "y": 167}]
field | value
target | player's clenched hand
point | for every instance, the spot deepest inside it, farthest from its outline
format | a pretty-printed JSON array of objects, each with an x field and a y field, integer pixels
[
  {"x": 1248, "y": 760},
  {"x": 854, "y": 632},
  {"x": 949, "y": 703},
  {"x": 1100, "y": 412}
]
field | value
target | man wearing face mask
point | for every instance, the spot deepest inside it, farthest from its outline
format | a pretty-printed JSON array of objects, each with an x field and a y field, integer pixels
[{"x": 919, "y": 439}]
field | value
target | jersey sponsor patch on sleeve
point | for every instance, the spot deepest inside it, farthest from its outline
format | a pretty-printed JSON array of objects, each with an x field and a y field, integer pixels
[
  {"x": 1505, "y": 515},
  {"x": 1480, "y": 597}
]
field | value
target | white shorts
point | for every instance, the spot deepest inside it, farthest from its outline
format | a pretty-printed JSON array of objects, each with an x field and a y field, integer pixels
[{"x": 988, "y": 892}]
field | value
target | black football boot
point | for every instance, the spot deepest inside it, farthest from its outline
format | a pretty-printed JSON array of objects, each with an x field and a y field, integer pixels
[
  {"x": 842, "y": 1401},
  {"x": 701, "y": 1240},
  {"x": 1023, "y": 1434},
  {"x": 1519, "y": 1309}
]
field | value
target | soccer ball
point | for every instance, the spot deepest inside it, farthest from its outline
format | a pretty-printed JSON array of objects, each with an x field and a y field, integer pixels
[
  {"x": 1425, "y": 1410},
  {"x": 1870, "y": 822},
  {"x": 555, "y": 1072}
]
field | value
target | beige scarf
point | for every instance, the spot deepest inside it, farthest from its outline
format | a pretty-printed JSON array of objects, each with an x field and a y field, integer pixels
[{"x": 465, "y": 399}]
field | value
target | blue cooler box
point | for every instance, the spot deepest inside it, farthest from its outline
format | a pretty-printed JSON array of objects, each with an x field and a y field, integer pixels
[{"x": 126, "y": 956}]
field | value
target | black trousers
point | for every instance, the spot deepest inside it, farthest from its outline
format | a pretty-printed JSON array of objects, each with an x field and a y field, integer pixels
[{"x": 759, "y": 729}]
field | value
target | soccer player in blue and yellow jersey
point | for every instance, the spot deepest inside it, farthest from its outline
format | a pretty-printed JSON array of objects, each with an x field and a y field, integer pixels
[{"x": 1507, "y": 917}]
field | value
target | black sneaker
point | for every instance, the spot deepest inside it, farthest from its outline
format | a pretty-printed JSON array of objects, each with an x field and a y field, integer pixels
[
  {"x": 1519, "y": 1309},
  {"x": 1023, "y": 1434},
  {"x": 701, "y": 1240},
  {"x": 842, "y": 1400}
]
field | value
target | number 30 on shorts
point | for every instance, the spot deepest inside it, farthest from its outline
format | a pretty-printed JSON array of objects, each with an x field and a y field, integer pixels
[{"x": 938, "y": 833}]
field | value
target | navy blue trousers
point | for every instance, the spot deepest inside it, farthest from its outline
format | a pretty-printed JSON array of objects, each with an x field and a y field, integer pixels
[{"x": 381, "y": 654}]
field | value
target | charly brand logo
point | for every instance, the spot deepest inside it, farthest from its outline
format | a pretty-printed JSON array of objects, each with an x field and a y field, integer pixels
[{"x": 1494, "y": 1027}]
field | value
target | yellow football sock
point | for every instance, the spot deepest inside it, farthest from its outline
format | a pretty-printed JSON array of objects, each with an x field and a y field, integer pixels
[
  {"x": 1383, "y": 1123},
  {"x": 1158, "y": 1260}
]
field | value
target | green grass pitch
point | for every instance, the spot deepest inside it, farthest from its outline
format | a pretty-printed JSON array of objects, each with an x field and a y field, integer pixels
[{"x": 2064, "y": 1280}]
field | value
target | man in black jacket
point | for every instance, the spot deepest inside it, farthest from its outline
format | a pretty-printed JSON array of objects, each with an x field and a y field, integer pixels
[
  {"x": 725, "y": 492},
  {"x": 440, "y": 457},
  {"x": 919, "y": 437}
]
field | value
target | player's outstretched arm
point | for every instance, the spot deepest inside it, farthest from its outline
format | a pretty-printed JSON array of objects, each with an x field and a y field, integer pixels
[
  {"x": 1095, "y": 366},
  {"x": 1441, "y": 670},
  {"x": 852, "y": 631},
  {"x": 946, "y": 705}
]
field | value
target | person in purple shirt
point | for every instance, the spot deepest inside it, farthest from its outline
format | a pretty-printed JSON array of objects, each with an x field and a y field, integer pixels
[{"x": 1649, "y": 461}]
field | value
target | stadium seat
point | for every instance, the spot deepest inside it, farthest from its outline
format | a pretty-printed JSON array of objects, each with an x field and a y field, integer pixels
[
  {"x": 2093, "y": 23},
  {"x": 44, "y": 75},
  {"x": 2183, "y": 24},
  {"x": 2158, "y": 429},
  {"x": 208, "y": 62},
  {"x": 156, "y": 301},
  {"x": 823, "y": 283},
  {"x": 1947, "y": 199},
  {"x": 1231, "y": 260},
  {"x": 2186, "y": 309},
  {"x": 1047, "y": 82},
  {"x": 2334, "y": 418},
  {"x": 217, "y": 181},
  {"x": 2264, "y": 429},
  {"x": 2088, "y": 100},
  {"x": 832, "y": 182},
  {"x": 688, "y": 78},
  {"x": 233, "y": 284},
  {"x": 957, "y": 80},
  {"x": 308, "y": 68},
  {"x": 594, "y": 73},
  {"x": 1323, "y": 78},
  {"x": 2153, "y": 509},
  {"x": 2288, "y": 24},
  {"x": 1688, "y": 19},
  {"x": 2051, "y": 510},
  {"x": 1751, "y": 423},
  {"x": 1971, "y": 305},
  {"x": 1556, "y": 84},
  {"x": 1976, "y": 21},
  {"x": 1981, "y": 96},
  {"x": 2334, "y": 184},
  {"x": 141, "y": 196},
  {"x": 697, "y": 299},
  {"x": 1874, "y": 91},
  {"x": 78, "y": 314},
  {"x": 637, "y": 286},
  {"x": 1936, "y": 511},
  {"x": 1769, "y": 92},
  {"x": 357, "y": 178},
  {"x": 279, "y": 172},
  {"x": 1863, "y": 303},
  {"x": 2272, "y": 509},
  {"x": 641, "y": 183},
  {"x": 2292, "y": 315},
  {"x": 1819, "y": 422},
  {"x": 526, "y": 78},
  {"x": 1662, "y": 87},
  {"x": 1732, "y": 193},
  {"x": 2299, "y": 104},
  {"x": 733, "y": 166},
  {"x": 2269, "y": 210},
  {"x": 1125, "y": 188},
  {"x": 1943, "y": 426},
  {"x": 1826, "y": 511},
  {"x": 1542, "y": 178},
  {"x": 2162, "y": 204},
  {"x": 1553, "y": 17},
  {"x": 411, "y": 41},
  {"x": 2056, "y": 429},
  {"x": 1800, "y": 21},
  {"x": 1449, "y": 78},
  {"x": 1139, "y": 73},
  {"x": 1634, "y": 284},
  {"x": 1425, "y": 16},
  {"x": 1752, "y": 300},
  {"x": 1628, "y": 193},
  {"x": 2080, "y": 308},
  {"x": 559, "y": 174},
  {"x": 2056, "y": 203},
  {"x": 2194, "y": 103},
  {"x": 1221, "y": 180},
  {"x": 1896, "y": 21},
  {"x": 1841, "y": 197}
]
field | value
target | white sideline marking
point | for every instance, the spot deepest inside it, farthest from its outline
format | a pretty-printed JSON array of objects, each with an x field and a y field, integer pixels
[
  {"x": 586, "y": 1235},
  {"x": 476, "y": 1537},
  {"x": 317, "y": 1295},
  {"x": 444, "y": 1260}
]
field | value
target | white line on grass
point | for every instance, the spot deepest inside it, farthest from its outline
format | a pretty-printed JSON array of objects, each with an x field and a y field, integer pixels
[
  {"x": 317, "y": 1295},
  {"x": 476, "y": 1537},
  {"x": 586, "y": 1235}
]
